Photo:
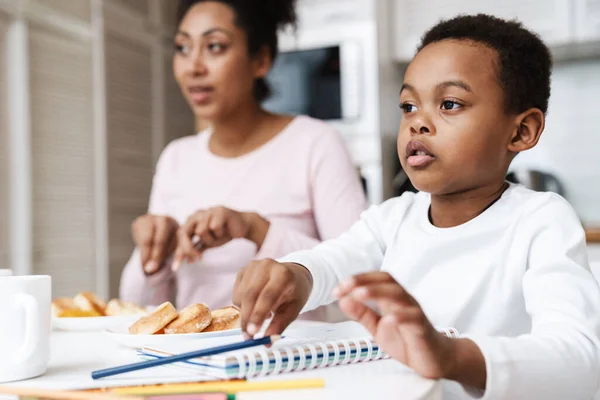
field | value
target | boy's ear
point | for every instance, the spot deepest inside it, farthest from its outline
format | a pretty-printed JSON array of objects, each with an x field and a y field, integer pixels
[{"x": 530, "y": 125}]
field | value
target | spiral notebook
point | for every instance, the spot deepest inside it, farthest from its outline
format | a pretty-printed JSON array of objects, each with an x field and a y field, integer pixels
[{"x": 301, "y": 349}]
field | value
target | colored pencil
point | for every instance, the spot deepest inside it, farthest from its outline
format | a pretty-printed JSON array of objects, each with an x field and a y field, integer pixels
[
  {"x": 223, "y": 387},
  {"x": 61, "y": 394},
  {"x": 103, "y": 373}
]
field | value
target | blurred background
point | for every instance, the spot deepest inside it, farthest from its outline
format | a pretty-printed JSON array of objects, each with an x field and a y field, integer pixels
[{"x": 88, "y": 101}]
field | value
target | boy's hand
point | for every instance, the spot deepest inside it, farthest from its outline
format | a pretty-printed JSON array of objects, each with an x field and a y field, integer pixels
[
  {"x": 267, "y": 287},
  {"x": 405, "y": 333}
]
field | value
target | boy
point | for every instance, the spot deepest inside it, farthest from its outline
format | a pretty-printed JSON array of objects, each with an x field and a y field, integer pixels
[{"x": 504, "y": 265}]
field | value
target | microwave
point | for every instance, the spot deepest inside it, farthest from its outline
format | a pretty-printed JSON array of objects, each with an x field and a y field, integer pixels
[{"x": 322, "y": 82}]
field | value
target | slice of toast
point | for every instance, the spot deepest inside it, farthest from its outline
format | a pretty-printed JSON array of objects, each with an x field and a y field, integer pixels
[
  {"x": 155, "y": 321},
  {"x": 224, "y": 319},
  {"x": 77, "y": 313},
  {"x": 88, "y": 301},
  {"x": 116, "y": 307},
  {"x": 192, "y": 319},
  {"x": 62, "y": 305}
]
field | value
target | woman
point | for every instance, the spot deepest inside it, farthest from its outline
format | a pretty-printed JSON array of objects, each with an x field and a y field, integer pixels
[{"x": 254, "y": 185}]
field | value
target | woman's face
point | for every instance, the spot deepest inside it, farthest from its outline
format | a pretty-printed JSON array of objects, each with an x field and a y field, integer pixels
[{"x": 212, "y": 65}]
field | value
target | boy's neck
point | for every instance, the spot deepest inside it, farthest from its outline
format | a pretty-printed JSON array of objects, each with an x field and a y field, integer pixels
[{"x": 455, "y": 209}]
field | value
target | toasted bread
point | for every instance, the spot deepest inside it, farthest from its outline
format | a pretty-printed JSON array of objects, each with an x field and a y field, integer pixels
[
  {"x": 192, "y": 319},
  {"x": 88, "y": 301},
  {"x": 77, "y": 313},
  {"x": 116, "y": 307},
  {"x": 155, "y": 321},
  {"x": 224, "y": 319},
  {"x": 61, "y": 305}
]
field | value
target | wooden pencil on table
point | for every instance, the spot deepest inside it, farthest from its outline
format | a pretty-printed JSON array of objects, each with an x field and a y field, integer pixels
[
  {"x": 62, "y": 394},
  {"x": 229, "y": 387}
]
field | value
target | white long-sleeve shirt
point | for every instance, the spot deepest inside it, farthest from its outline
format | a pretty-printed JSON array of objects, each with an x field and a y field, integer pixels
[{"x": 515, "y": 280}]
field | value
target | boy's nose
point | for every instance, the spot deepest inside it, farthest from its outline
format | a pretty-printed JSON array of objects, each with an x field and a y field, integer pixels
[{"x": 422, "y": 128}]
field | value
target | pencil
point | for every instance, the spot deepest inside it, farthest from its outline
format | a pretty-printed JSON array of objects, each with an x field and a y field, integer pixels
[
  {"x": 222, "y": 387},
  {"x": 61, "y": 394},
  {"x": 183, "y": 357}
]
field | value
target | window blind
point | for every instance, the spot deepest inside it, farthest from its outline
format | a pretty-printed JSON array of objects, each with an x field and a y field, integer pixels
[
  {"x": 4, "y": 190},
  {"x": 129, "y": 146},
  {"x": 62, "y": 159},
  {"x": 179, "y": 119}
]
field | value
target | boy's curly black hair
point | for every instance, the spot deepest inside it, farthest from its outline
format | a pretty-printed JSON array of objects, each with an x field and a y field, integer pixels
[
  {"x": 260, "y": 19},
  {"x": 524, "y": 61}
]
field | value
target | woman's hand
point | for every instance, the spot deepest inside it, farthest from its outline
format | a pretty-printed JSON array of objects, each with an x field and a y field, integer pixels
[
  {"x": 156, "y": 238},
  {"x": 404, "y": 332},
  {"x": 213, "y": 228}
]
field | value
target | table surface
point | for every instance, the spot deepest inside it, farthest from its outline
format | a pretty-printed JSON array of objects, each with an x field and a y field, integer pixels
[{"x": 75, "y": 354}]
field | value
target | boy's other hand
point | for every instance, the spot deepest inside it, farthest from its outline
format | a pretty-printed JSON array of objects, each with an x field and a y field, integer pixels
[
  {"x": 266, "y": 288},
  {"x": 404, "y": 332}
]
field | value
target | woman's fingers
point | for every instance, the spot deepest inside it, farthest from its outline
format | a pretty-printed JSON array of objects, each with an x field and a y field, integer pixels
[
  {"x": 185, "y": 246},
  {"x": 160, "y": 243}
]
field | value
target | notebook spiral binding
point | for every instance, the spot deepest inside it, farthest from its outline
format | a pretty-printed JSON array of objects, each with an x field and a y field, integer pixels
[{"x": 306, "y": 356}]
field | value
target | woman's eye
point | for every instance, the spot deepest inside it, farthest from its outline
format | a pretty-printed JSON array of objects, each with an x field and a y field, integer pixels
[
  {"x": 450, "y": 105},
  {"x": 216, "y": 47},
  {"x": 408, "y": 108},
  {"x": 181, "y": 48}
]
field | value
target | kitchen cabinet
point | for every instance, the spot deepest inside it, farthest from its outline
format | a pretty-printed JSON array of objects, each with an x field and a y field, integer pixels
[
  {"x": 315, "y": 13},
  {"x": 551, "y": 19},
  {"x": 594, "y": 252},
  {"x": 587, "y": 20}
]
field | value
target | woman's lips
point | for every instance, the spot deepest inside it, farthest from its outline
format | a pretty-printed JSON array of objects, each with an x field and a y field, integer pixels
[{"x": 200, "y": 94}]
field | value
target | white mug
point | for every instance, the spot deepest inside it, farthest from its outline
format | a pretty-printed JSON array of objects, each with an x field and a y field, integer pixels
[
  {"x": 25, "y": 326},
  {"x": 5, "y": 272}
]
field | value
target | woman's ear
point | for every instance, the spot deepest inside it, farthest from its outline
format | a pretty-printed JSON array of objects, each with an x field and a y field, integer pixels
[
  {"x": 262, "y": 62},
  {"x": 530, "y": 125}
]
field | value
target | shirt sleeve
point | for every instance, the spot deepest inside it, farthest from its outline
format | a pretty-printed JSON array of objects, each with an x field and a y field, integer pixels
[
  {"x": 337, "y": 195},
  {"x": 135, "y": 285},
  {"x": 560, "y": 358},
  {"x": 359, "y": 250}
]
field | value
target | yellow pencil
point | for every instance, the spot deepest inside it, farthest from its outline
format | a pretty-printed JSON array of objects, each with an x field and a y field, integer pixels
[{"x": 222, "y": 387}]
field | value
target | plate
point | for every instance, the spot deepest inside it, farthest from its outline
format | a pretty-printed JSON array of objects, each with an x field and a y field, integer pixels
[
  {"x": 93, "y": 323},
  {"x": 121, "y": 336}
]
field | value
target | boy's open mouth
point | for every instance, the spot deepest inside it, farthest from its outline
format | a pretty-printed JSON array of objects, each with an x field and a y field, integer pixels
[{"x": 417, "y": 155}]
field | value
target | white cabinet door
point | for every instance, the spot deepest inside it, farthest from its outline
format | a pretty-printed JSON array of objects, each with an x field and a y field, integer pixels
[
  {"x": 587, "y": 20},
  {"x": 314, "y": 13},
  {"x": 412, "y": 18},
  {"x": 594, "y": 258},
  {"x": 594, "y": 252}
]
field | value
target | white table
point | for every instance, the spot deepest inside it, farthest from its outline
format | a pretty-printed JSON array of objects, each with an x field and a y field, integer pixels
[{"x": 76, "y": 354}]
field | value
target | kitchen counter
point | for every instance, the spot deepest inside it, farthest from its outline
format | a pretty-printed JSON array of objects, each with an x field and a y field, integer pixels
[{"x": 592, "y": 234}]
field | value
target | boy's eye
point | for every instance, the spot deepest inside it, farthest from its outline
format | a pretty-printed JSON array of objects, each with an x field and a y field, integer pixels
[
  {"x": 408, "y": 108},
  {"x": 450, "y": 105}
]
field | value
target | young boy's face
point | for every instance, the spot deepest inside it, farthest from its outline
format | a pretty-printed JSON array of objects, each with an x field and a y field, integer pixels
[{"x": 455, "y": 131}]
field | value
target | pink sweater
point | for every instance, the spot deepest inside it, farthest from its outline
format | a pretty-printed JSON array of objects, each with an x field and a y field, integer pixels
[{"x": 302, "y": 181}]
